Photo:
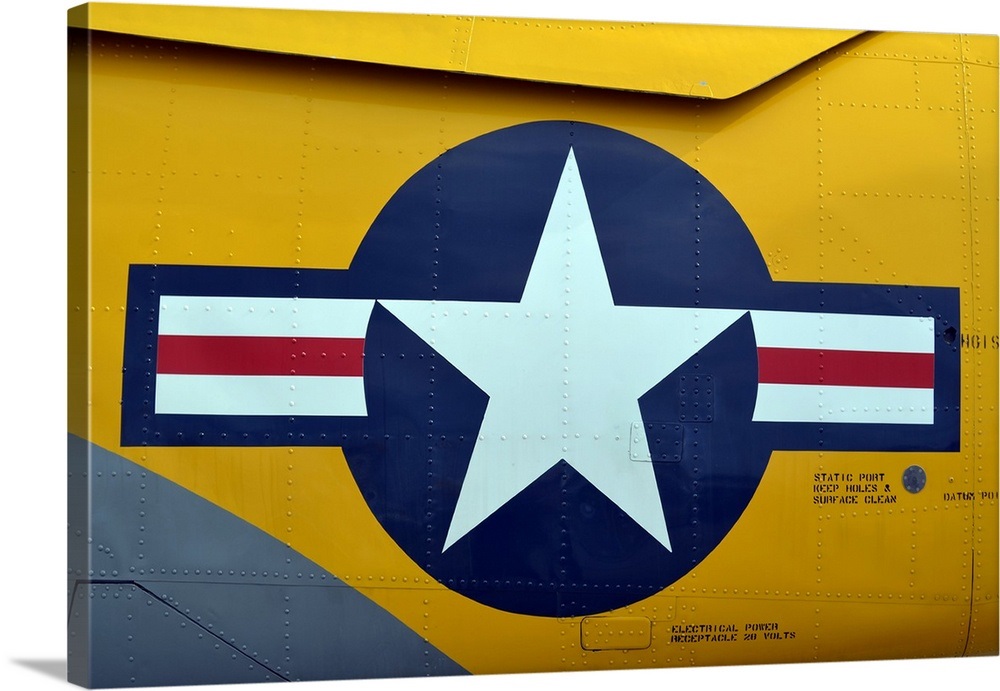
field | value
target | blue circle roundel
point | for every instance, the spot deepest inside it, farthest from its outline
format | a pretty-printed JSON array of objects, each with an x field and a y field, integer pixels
[{"x": 560, "y": 371}]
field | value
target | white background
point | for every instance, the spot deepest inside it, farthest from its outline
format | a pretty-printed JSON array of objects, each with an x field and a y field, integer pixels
[{"x": 33, "y": 337}]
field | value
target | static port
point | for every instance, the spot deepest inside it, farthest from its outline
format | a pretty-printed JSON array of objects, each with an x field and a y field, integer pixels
[{"x": 914, "y": 479}]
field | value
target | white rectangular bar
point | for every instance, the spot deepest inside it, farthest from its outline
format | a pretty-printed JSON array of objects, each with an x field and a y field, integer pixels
[
  {"x": 862, "y": 332},
  {"x": 193, "y": 315},
  {"x": 843, "y": 404},
  {"x": 188, "y": 394}
]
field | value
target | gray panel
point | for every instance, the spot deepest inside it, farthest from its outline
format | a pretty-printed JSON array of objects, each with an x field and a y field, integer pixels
[
  {"x": 243, "y": 592},
  {"x": 139, "y": 641},
  {"x": 78, "y": 559},
  {"x": 305, "y": 632}
]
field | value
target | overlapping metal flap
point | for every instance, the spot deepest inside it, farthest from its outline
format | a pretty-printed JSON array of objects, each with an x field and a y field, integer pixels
[{"x": 685, "y": 60}]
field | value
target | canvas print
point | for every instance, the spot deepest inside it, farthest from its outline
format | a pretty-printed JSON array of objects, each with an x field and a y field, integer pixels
[{"x": 408, "y": 345}]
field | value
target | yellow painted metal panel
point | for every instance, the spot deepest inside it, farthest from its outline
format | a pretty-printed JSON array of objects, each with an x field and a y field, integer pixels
[
  {"x": 615, "y": 633},
  {"x": 702, "y": 61},
  {"x": 981, "y": 92}
]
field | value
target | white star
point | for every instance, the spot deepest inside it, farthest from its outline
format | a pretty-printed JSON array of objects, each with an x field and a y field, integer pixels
[{"x": 563, "y": 368}]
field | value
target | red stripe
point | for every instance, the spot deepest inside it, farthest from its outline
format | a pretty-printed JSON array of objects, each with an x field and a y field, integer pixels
[
  {"x": 260, "y": 355},
  {"x": 845, "y": 368}
]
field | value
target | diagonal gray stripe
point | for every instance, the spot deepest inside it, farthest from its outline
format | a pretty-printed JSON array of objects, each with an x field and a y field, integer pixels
[{"x": 166, "y": 571}]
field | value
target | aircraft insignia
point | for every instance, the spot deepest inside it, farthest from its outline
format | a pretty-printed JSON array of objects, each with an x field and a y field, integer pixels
[{"x": 557, "y": 366}]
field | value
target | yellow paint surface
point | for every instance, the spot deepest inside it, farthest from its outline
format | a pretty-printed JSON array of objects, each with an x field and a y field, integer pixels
[{"x": 706, "y": 61}]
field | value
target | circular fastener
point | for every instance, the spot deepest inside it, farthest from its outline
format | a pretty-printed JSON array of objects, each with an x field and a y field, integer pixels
[{"x": 914, "y": 479}]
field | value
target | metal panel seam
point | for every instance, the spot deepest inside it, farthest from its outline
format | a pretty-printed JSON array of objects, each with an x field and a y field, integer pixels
[
  {"x": 972, "y": 310},
  {"x": 468, "y": 45}
]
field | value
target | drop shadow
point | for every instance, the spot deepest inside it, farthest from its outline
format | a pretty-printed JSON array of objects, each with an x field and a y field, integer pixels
[{"x": 50, "y": 668}]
